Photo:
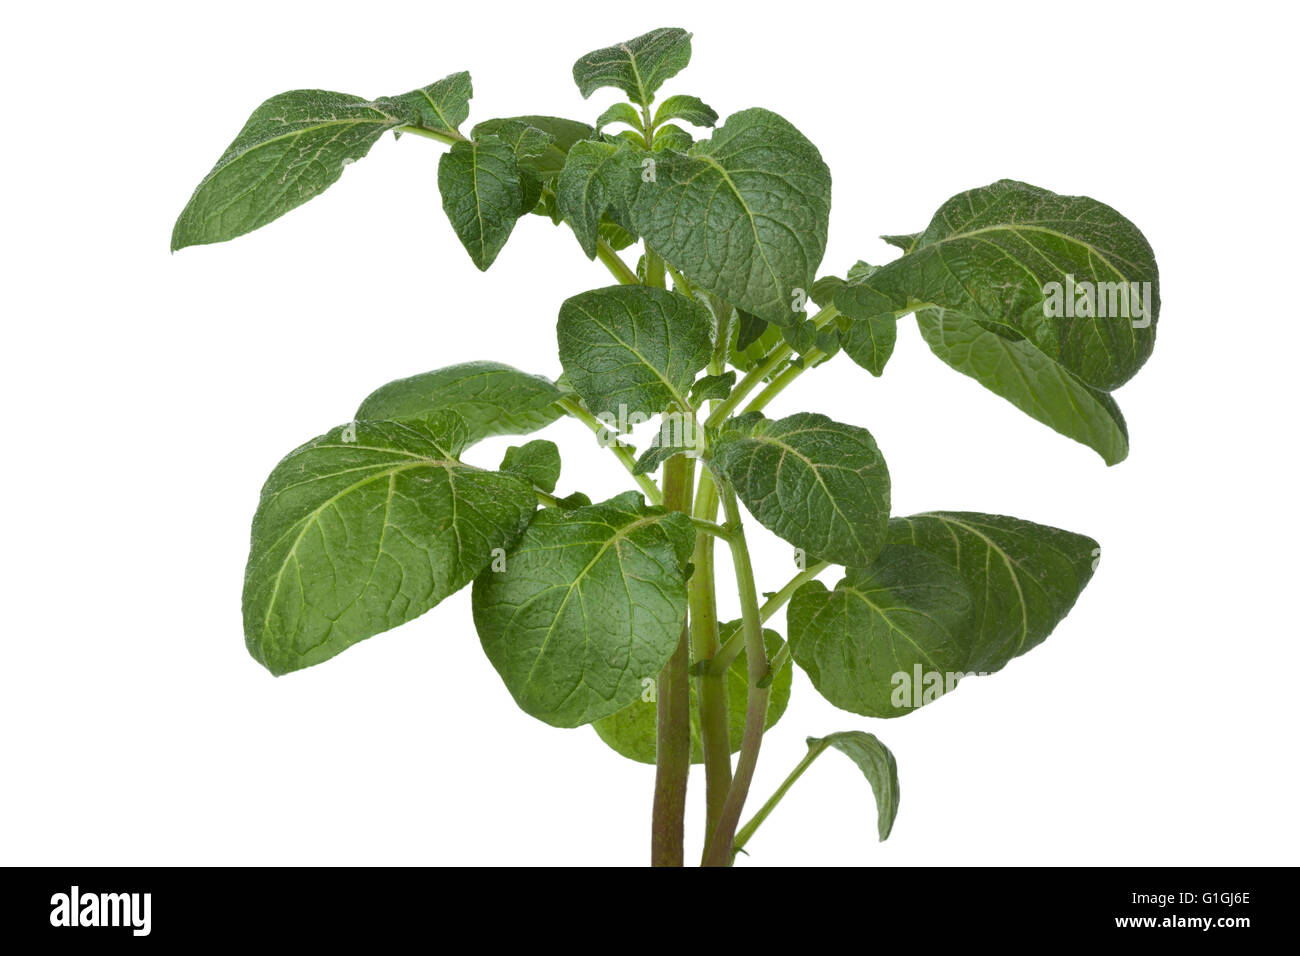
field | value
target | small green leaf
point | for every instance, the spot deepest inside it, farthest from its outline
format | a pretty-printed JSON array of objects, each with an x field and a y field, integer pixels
[
  {"x": 672, "y": 137},
  {"x": 1024, "y": 376},
  {"x": 483, "y": 194},
  {"x": 619, "y": 113},
  {"x": 632, "y": 732},
  {"x": 492, "y": 398},
  {"x": 870, "y": 342},
  {"x": 751, "y": 331},
  {"x": 819, "y": 484},
  {"x": 905, "y": 242},
  {"x": 537, "y": 461},
  {"x": 743, "y": 215},
  {"x": 590, "y": 606},
  {"x": 689, "y": 108},
  {"x": 712, "y": 387},
  {"x": 877, "y": 765},
  {"x": 368, "y": 527},
  {"x": 564, "y": 134},
  {"x": 888, "y": 638},
  {"x": 1023, "y": 577},
  {"x": 1071, "y": 275},
  {"x": 637, "y": 67},
  {"x": 295, "y": 146},
  {"x": 531, "y": 145},
  {"x": 594, "y": 184},
  {"x": 633, "y": 346}
]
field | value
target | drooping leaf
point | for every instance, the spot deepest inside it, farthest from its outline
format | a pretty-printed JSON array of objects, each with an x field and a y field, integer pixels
[
  {"x": 1022, "y": 577},
  {"x": 492, "y": 398},
  {"x": 590, "y": 605},
  {"x": 531, "y": 146},
  {"x": 483, "y": 194},
  {"x": 368, "y": 527},
  {"x": 564, "y": 134},
  {"x": 819, "y": 484},
  {"x": 877, "y": 765},
  {"x": 619, "y": 113},
  {"x": 594, "y": 184},
  {"x": 1024, "y": 376},
  {"x": 870, "y": 342},
  {"x": 742, "y": 215},
  {"x": 537, "y": 461},
  {"x": 295, "y": 145},
  {"x": 868, "y": 318},
  {"x": 712, "y": 387},
  {"x": 633, "y": 346},
  {"x": 689, "y": 108},
  {"x": 992, "y": 254},
  {"x": 903, "y": 623},
  {"x": 632, "y": 731},
  {"x": 637, "y": 67}
]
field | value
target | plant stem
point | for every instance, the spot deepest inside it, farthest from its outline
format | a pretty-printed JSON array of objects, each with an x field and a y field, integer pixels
[
  {"x": 439, "y": 135},
  {"x": 747, "y": 831},
  {"x": 673, "y": 713},
  {"x": 614, "y": 263},
  {"x": 727, "y": 653},
  {"x": 719, "y": 851},
  {"x": 710, "y": 687},
  {"x": 575, "y": 410},
  {"x": 654, "y": 270}
]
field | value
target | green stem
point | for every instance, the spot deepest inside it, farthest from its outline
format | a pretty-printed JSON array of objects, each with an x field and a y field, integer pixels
[
  {"x": 747, "y": 831},
  {"x": 654, "y": 270},
  {"x": 606, "y": 254},
  {"x": 720, "y": 851},
  {"x": 673, "y": 713},
  {"x": 710, "y": 527},
  {"x": 440, "y": 135},
  {"x": 710, "y": 687},
  {"x": 727, "y": 653},
  {"x": 620, "y": 451}
]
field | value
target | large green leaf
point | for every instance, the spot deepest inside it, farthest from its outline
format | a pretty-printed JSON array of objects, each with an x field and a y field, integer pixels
[
  {"x": 637, "y": 67},
  {"x": 1024, "y": 376},
  {"x": 1022, "y": 577},
  {"x": 632, "y": 346},
  {"x": 877, "y": 764},
  {"x": 593, "y": 184},
  {"x": 633, "y": 731},
  {"x": 819, "y": 484},
  {"x": 991, "y": 253},
  {"x": 591, "y": 604},
  {"x": 904, "y": 621},
  {"x": 295, "y": 146},
  {"x": 483, "y": 194},
  {"x": 365, "y": 528},
  {"x": 742, "y": 215},
  {"x": 492, "y": 398}
]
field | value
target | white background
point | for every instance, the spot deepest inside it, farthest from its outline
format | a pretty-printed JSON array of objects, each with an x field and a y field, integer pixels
[{"x": 146, "y": 397}]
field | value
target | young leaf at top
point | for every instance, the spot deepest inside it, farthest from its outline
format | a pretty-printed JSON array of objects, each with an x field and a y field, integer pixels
[
  {"x": 483, "y": 194},
  {"x": 1023, "y": 577},
  {"x": 633, "y": 346},
  {"x": 492, "y": 399},
  {"x": 689, "y": 108},
  {"x": 909, "y": 613},
  {"x": 742, "y": 215},
  {"x": 593, "y": 185},
  {"x": 994, "y": 253},
  {"x": 536, "y": 461},
  {"x": 632, "y": 731},
  {"x": 295, "y": 146},
  {"x": 590, "y": 605},
  {"x": 368, "y": 527},
  {"x": 619, "y": 113},
  {"x": 637, "y": 67},
  {"x": 672, "y": 137},
  {"x": 876, "y": 763},
  {"x": 819, "y": 484},
  {"x": 1024, "y": 376}
]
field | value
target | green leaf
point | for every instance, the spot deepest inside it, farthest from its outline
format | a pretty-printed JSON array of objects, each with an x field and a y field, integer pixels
[
  {"x": 1024, "y": 376},
  {"x": 689, "y": 108},
  {"x": 564, "y": 134},
  {"x": 991, "y": 253},
  {"x": 619, "y": 113},
  {"x": 483, "y": 194},
  {"x": 903, "y": 623},
  {"x": 1023, "y": 577},
  {"x": 594, "y": 184},
  {"x": 531, "y": 146},
  {"x": 536, "y": 461},
  {"x": 492, "y": 398},
  {"x": 637, "y": 67},
  {"x": 742, "y": 215},
  {"x": 632, "y": 731},
  {"x": 870, "y": 342},
  {"x": 819, "y": 484},
  {"x": 751, "y": 340},
  {"x": 877, "y": 765},
  {"x": 368, "y": 527},
  {"x": 633, "y": 346},
  {"x": 672, "y": 137},
  {"x": 905, "y": 242},
  {"x": 295, "y": 146},
  {"x": 590, "y": 605},
  {"x": 712, "y": 387}
]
